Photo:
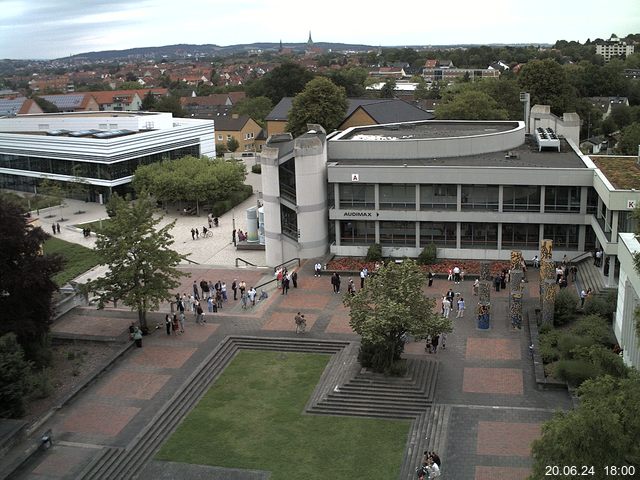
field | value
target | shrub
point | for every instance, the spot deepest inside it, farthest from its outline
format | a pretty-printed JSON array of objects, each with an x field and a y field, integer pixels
[
  {"x": 603, "y": 305},
  {"x": 256, "y": 168},
  {"x": 40, "y": 384},
  {"x": 603, "y": 360},
  {"x": 397, "y": 369},
  {"x": 374, "y": 254},
  {"x": 594, "y": 327},
  {"x": 548, "y": 346},
  {"x": 220, "y": 207},
  {"x": 428, "y": 255},
  {"x": 568, "y": 342},
  {"x": 574, "y": 372},
  {"x": 14, "y": 377},
  {"x": 565, "y": 307}
]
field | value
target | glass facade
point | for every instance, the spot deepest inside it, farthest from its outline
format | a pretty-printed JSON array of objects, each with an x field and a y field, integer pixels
[
  {"x": 357, "y": 232},
  {"x": 354, "y": 195},
  {"x": 520, "y": 198},
  {"x": 438, "y": 197},
  {"x": 479, "y": 235},
  {"x": 520, "y": 235},
  {"x": 480, "y": 197},
  {"x": 627, "y": 222},
  {"x": 562, "y": 199},
  {"x": 397, "y": 196},
  {"x": 287, "y": 172},
  {"x": 289, "y": 222},
  {"x": 398, "y": 234},
  {"x": 99, "y": 171},
  {"x": 443, "y": 234},
  {"x": 563, "y": 236},
  {"x": 592, "y": 201}
]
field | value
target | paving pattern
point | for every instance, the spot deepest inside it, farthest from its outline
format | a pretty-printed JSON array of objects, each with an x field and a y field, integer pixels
[{"x": 485, "y": 412}]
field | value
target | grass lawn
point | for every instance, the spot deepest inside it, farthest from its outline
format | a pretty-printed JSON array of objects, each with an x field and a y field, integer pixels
[
  {"x": 94, "y": 226},
  {"x": 252, "y": 418},
  {"x": 78, "y": 259}
]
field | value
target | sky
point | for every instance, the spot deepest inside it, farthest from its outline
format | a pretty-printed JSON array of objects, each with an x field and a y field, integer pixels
[{"x": 46, "y": 29}]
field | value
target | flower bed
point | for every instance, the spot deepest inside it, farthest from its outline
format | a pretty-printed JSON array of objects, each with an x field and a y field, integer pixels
[{"x": 469, "y": 267}]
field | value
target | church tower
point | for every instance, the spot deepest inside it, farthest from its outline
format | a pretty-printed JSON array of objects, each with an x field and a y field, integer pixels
[{"x": 310, "y": 41}]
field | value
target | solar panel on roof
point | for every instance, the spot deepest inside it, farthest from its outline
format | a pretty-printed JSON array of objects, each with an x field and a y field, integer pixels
[{"x": 65, "y": 101}]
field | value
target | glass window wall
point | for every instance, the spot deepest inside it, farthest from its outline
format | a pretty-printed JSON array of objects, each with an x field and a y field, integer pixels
[
  {"x": 479, "y": 235},
  {"x": 438, "y": 197},
  {"x": 357, "y": 196},
  {"x": 443, "y": 234},
  {"x": 563, "y": 236},
  {"x": 521, "y": 235},
  {"x": 358, "y": 232},
  {"x": 289, "y": 222},
  {"x": 479, "y": 197},
  {"x": 398, "y": 196},
  {"x": 520, "y": 198},
  {"x": 287, "y": 172},
  {"x": 562, "y": 199},
  {"x": 398, "y": 234}
]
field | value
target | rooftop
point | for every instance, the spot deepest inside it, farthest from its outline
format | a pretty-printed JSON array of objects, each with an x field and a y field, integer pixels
[
  {"x": 429, "y": 129},
  {"x": 622, "y": 172}
]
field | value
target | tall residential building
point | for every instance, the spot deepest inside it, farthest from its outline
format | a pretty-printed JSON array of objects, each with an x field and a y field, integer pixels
[{"x": 614, "y": 47}]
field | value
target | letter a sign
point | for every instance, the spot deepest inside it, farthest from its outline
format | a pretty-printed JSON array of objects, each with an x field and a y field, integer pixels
[{"x": 355, "y": 177}]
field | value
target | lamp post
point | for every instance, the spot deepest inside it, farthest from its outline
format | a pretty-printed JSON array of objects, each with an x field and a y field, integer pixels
[{"x": 233, "y": 224}]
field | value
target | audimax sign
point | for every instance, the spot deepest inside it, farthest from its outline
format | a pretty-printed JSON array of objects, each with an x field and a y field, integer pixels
[{"x": 360, "y": 214}]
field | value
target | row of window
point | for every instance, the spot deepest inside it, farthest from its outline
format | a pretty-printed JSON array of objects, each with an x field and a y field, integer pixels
[
  {"x": 443, "y": 234},
  {"x": 473, "y": 197}
]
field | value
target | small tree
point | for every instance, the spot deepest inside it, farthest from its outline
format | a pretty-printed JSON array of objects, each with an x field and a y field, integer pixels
[
  {"x": 428, "y": 255},
  {"x": 388, "y": 90},
  {"x": 391, "y": 307},
  {"x": 321, "y": 102},
  {"x": 141, "y": 265},
  {"x": 374, "y": 253},
  {"x": 233, "y": 144},
  {"x": 14, "y": 377}
]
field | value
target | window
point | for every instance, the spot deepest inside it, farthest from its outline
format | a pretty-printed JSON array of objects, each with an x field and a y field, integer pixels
[
  {"x": 443, "y": 234},
  {"x": 438, "y": 197},
  {"x": 287, "y": 172},
  {"x": 357, "y": 195},
  {"x": 357, "y": 232},
  {"x": 520, "y": 235},
  {"x": 592, "y": 201},
  {"x": 627, "y": 222},
  {"x": 398, "y": 196},
  {"x": 479, "y": 235},
  {"x": 479, "y": 197},
  {"x": 562, "y": 199},
  {"x": 228, "y": 137},
  {"x": 289, "y": 222},
  {"x": 520, "y": 198},
  {"x": 398, "y": 234},
  {"x": 563, "y": 236},
  {"x": 220, "y": 137}
]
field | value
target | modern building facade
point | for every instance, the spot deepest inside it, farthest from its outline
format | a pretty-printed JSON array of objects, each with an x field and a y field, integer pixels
[
  {"x": 475, "y": 189},
  {"x": 102, "y": 148},
  {"x": 614, "y": 47},
  {"x": 624, "y": 326}
]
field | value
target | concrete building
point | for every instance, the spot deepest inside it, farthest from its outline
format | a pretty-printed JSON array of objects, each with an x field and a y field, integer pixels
[
  {"x": 624, "y": 326},
  {"x": 103, "y": 148},
  {"x": 477, "y": 189},
  {"x": 614, "y": 47}
]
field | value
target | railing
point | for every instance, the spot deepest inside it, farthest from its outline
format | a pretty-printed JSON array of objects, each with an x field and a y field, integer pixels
[
  {"x": 297, "y": 259},
  {"x": 581, "y": 257},
  {"x": 245, "y": 262},
  {"x": 189, "y": 260}
]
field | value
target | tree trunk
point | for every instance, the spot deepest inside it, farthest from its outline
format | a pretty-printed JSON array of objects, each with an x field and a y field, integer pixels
[{"x": 142, "y": 320}]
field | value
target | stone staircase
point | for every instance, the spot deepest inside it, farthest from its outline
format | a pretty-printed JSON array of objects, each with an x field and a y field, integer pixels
[
  {"x": 126, "y": 463},
  {"x": 589, "y": 276}
]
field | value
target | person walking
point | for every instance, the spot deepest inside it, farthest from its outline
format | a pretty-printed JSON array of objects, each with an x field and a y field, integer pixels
[
  {"x": 351, "y": 288},
  {"x": 233, "y": 237},
  {"x": 363, "y": 276},
  {"x": 446, "y": 307},
  {"x": 223, "y": 291},
  {"x": 294, "y": 279},
  {"x": 460, "y": 313},
  {"x": 137, "y": 337},
  {"x": 193, "y": 234},
  {"x": 196, "y": 295},
  {"x": 285, "y": 284},
  {"x": 456, "y": 274},
  {"x": 58, "y": 227},
  {"x": 181, "y": 320},
  {"x": 443, "y": 341},
  {"x": 53, "y": 227},
  {"x": 199, "y": 315},
  {"x": 317, "y": 269},
  {"x": 476, "y": 287},
  {"x": 252, "y": 296},
  {"x": 434, "y": 343},
  {"x": 167, "y": 324},
  {"x": 175, "y": 325},
  {"x": 234, "y": 287},
  {"x": 430, "y": 277},
  {"x": 583, "y": 297},
  {"x": 299, "y": 319},
  {"x": 244, "y": 300}
]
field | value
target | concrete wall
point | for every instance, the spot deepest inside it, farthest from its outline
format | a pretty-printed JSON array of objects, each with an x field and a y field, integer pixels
[
  {"x": 568, "y": 126},
  {"x": 274, "y": 250},
  {"x": 628, "y": 300}
]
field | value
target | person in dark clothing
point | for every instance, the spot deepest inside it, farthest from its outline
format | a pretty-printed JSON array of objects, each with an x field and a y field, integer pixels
[
  {"x": 434, "y": 343},
  {"x": 193, "y": 234},
  {"x": 233, "y": 237},
  {"x": 234, "y": 287},
  {"x": 167, "y": 324},
  {"x": 605, "y": 268},
  {"x": 285, "y": 285},
  {"x": 430, "y": 276},
  {"x": 496, "y": 282},
  {"x": 294, "y": 279},
  {"x": 58, "y": 227},
  {"x": 53, "y": 227}
]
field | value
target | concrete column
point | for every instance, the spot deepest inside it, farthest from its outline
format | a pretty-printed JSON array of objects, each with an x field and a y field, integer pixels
[
  {"x": 458, "y": 230},
  {"x": 582, "y": 237},
  {"x": 499, "y": 236},
  {"x": 337, "y": 229},
  {"x": 500, "y": 200},
  {"x": 376, "y": 196},
  {"x": 542, "y": 194},
  {"x": 417, "y": 197},
  {"x": 417, "y": 234},
  {"x": 614, "y": 225},
  {"x": 584, "y": 193},
  {"x": 377, "y": 231},
  {"x": 252, "y": 224},
  {"x": 459, "y": 199},
  {"x": 484, "y": 295},
  {"x": 336, "y": 195}
]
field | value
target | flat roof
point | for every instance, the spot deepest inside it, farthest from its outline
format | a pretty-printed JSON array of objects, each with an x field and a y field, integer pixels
[
  {"x": 427, "y": 129},
  {"x": 622, "y": 172},
  {"x": 524, "y": 156}
]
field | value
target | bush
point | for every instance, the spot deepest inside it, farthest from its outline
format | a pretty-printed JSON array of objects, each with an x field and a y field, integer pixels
[
  {"x": 603, "y": 360},
  {"x": 256, "y": 168},
  {"x": 220, "y": 207},
  {"x": 14, "y": 377},
  {"x": 397, "y": 369},
  {"x": 603, "y": 305},
  {"x": 574, "y": 372},
  {"x": 40, "y": 384},
  {"x": 568, "y": 342},
  {"x": 594, "y": 327},
  {"x": 428, "y": 255},
  {"x": 565, "y": 307},
  {"x": 548, "y": 346},
  {"x": 374, "y": 254}
]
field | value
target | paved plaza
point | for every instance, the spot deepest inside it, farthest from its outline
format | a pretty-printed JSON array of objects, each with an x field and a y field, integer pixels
[{"x": 485, "y": 380}]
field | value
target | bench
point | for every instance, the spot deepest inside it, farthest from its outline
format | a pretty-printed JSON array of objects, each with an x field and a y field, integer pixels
[{"x": 189, "y": 211}]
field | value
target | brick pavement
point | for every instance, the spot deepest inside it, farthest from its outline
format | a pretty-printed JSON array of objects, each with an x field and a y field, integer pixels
[{"x": 485, "y": 377}]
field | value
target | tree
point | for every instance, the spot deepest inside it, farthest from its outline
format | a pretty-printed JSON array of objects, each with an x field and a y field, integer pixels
[
  {"x": 629, "y": 140},
  {"x": 45, "y": 105},
  {"x": 26, "y": 284},
  {"x": 149, "y": 102},
  {"x": 390, "y": 307},
  {"x": 547, "y": 83},
  {"x": 470, "y": 105},
  {"x": 388, "y": 89},
  {"x": 422, "y": 90},
  {"x": 352, "y": 79},
  {"x": 141, "y": 265},
  {"x": 171, "y": 104},
  {"x": 14, "y": 377},
  {"x": 605, "y": 426},
  {"x": 257, "y": 108},
  {"x": 233, "y": 144},
  {"x": 321, "y": 102},
  {"x": 286, "y": 80}
]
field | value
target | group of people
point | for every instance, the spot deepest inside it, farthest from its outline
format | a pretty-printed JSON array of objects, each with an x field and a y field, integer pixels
[
  {"x": 452, "y": 301},
  {"x": 301, "y": 323},
  {"x": 174, "y": 324},
  {"x": 55, "y": 227},
  {"x": 430, "y": 467},
  {"x": 456, "y": 274},
  {"x": 212, "y": 221},
  {"x": 286, "y": 279}
]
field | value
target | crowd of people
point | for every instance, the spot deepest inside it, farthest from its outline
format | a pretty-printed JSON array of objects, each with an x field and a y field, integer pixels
[{"x": 430, "y": 467}]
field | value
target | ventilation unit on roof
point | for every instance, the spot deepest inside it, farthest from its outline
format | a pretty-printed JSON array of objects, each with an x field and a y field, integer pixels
[{"x": 547, "y": 138}]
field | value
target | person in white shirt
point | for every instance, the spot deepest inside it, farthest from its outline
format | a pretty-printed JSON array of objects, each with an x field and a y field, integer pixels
[
  {"x": 535, "y": 261},
  {"x": 446, "y": 307},
  {"x": 318, "y": 269}
]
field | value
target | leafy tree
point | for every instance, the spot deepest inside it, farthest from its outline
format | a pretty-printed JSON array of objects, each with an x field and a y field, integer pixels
[
  {"x": 141, "y": 264},
  {"x": 629, "y": 140},
  {"x": 547, "y": 83},
  {"x": 233, "y": 144},
  {"x": 422, "y": 90},
  {"x": 257, "y": 108},
  {"x": 26, "y": 284},
  {"x": 388, "y": 89},
  {"x": 285, "y": 80},
  {"x": 148, "y": 102},
  {"x": 171, "y": 104},
  {"x": 130, "y": 86},
  {"x": 470, "y": 105},
  {"x": 390, "y": 307},
  {"x": 14, "y": 377},
  {"x": 605, "y": 426},
  {"x": 352, "y": 79},
  {"x": 46, "y": 105},
  {"x": 321, "y": 102},
  {"x": 221, "y": 149}
]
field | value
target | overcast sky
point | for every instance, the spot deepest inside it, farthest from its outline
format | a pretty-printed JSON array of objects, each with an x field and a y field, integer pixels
[{"x": 57, "y": 28}]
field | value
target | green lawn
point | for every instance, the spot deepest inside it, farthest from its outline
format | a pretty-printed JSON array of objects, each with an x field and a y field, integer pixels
[
  {"x": 79, "y": 259},
  {"x": 94, "y": 226},
  {"x": 252, "y": 418}
]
